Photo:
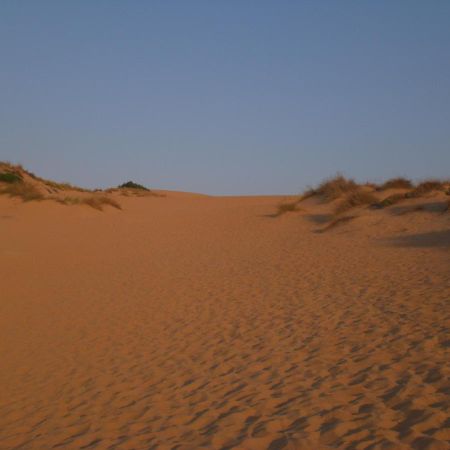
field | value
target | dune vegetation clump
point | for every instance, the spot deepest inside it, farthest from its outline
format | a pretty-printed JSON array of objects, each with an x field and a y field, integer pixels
[
  {"x": 396, "y": 183},
  {"x": 26, "y": 191},
  {"x": 425, "y": 188},
  {"x": 133, "y": 185},
  {"x": 95, "y": 201},
  {"x": 284, "y": 208},
  {"x": 332, "y": 188},
  {"x": 10, "y": 177},
  {"x": 355, "y": 199}
]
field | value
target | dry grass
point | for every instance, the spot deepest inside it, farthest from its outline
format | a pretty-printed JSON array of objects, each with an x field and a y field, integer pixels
[
  {"x": 332, "y": 188},
  {"x": 284, "y": 208},
  {"x": 27, "y": 192},
  {"x": 355, "y": 199},
  {"x": 426, "y": 187},
  {"x": 61, "y": 186},
  {"x": 96, "y": 201},
  {"x": 397, "y": 183}
]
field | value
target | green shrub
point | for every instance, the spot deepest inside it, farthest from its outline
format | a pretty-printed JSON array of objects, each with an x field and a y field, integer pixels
[
  {"x": 10, "y": 177},
  {"x": 132, "y": 185}
]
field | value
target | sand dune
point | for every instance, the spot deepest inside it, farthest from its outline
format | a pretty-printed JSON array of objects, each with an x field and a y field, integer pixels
[{"x": 190, "y": 322}]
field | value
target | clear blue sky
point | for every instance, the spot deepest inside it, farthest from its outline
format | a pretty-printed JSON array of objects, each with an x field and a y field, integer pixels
[{"x": 225, "y": 97}]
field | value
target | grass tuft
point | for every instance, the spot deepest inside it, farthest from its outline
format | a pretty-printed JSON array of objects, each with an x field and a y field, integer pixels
[
  {"x": 355, "y": 199},
  {"x": 332, "y": 188},
  {"x": 396, "y": 183},
  {"x": 284, "y": 208},
  {"x": 132, "y": 185},
  {"x": 27, "y": 192},
  {"x": 426, "y": 187},
  {"x": 96, "y": 201}
]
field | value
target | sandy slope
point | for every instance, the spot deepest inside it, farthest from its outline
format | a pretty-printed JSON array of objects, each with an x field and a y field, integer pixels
[{"x": 190, "y": 322}]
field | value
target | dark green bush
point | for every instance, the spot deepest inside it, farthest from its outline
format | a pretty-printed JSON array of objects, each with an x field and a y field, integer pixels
[
  {"x": 132, "y": 185},
  {"x": 10, "y": 177}
]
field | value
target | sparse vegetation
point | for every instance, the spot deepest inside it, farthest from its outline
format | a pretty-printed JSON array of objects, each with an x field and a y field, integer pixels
[
  {"x": 10, "y": 177},
  {"x": 396, "y": 183},
  {"x": 426, "y": 187},
  {"x": 25, "y": 191},
  {"x": 61, "y": 186},
  {"x": 132, "y": 185},
  {"x": 284, "y": 208},
  {"x": 332, "y": 188},
  {"x": 95, "y": 201},
  {"x": 355, "y": 199}
]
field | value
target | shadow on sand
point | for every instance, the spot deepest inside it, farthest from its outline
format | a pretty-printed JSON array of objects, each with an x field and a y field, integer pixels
[{"x": 440, "y": 239}]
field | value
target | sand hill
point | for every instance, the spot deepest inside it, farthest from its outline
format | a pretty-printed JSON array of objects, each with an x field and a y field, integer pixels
[{"x": 187, "y": 322}]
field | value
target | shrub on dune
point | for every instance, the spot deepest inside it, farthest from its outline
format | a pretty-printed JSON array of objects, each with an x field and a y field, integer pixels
[
  {"x": 332, "y": 188},
  {"x": 133, "y": 185},
  {"x": 425, "y": 188},
  {"x": 10, "y": 177},
  {"x": 287, "y": 207},
  {"x": 335, "y": 187},
  {"x": 396, "y": 183},
  {"x": 25, "y": 191},
  {"x": 96, "y": 201},
  {"x": 354, "y": 200}
]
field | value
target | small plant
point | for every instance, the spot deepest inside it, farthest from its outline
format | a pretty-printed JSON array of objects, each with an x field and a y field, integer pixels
[
  {"x": 396, "y": 183},
  {"x": 284, "y": 208},
  {"x": 25, "y": 191},
  {"x": 426, "y": 187},
  {"x": 332, "y": 188},
  {"x": 10, "y": 177},
  {"x": 132, "y": 185},
  {"x": 355, "y": 199},
  {"x": 96, "y": 201}
]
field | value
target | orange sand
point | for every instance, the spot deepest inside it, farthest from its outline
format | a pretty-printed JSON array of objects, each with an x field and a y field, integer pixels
[{"x": 194, "y": 322}]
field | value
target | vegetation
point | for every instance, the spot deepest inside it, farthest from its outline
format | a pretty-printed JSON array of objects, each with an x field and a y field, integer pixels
[
  {"x": 284, "y": 208},
  {"x": 25, "y": 191},
  {"x": 354, "y": 199},
  {"x": 10, "y": 177},
  {"x": 396, "y": 183},
  {"x": 426, "y": 187},
  {"x": 132, "y": 185},
  {"x": 332, "y": 188},
  {"x": 95, "y": 201}
]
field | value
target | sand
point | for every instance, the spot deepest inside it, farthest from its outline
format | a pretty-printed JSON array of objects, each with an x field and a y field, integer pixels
[{"x": 195, "y": 322}]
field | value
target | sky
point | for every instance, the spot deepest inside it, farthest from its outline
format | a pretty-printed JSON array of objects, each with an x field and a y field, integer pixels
[{"x": 225, "y": 97}]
